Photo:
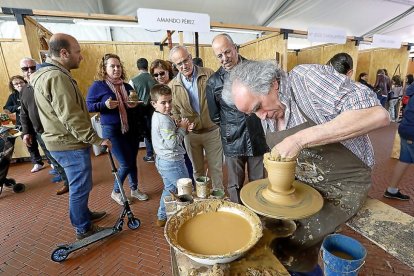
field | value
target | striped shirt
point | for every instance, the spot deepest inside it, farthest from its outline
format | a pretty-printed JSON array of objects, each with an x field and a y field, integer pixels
[{"x": 322, "y": 94}]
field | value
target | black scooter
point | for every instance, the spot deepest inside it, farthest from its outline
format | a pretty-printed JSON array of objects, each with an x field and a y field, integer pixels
[{"x": 61, "y": 253}]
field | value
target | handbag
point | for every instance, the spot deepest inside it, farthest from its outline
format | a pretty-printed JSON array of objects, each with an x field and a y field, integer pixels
[{"x": 405, "y": 99}]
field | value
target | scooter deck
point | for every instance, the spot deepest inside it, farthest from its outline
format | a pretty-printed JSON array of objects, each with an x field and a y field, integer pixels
[{"x": 93, "y": 238}]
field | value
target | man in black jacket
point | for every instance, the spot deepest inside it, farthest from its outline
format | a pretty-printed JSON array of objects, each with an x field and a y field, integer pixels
[{"x": 242, "y": 135}]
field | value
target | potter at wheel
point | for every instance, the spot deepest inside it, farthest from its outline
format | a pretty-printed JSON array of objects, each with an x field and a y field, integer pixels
[{"x": 280, "y": 196}]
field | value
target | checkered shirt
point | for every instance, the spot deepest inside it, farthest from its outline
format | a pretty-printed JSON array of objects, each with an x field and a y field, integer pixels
[{"x": 322, "y": 94}]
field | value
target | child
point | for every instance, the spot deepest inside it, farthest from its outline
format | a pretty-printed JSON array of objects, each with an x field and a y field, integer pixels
[{"x": 167, "y": 140}]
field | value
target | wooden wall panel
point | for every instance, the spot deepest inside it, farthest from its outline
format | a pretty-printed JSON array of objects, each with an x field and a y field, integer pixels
[
  {"x": 310, "y": 56},
  {"x": 265, "y": 48},
  {"x": 129, "y": 53},
  {"x": 364, "y": 61},
  {"x": 390, "y": 59},
  {"x": 11, "y": 52},
  {"x": 35, "y": 38},
  {"x": 410, "y": 68},
  {"x": 209, "y": 59},
  {"x": 249, "y": 51},
  {"x": 92, "y": 54},
  {"x": 292, "y": 60}
]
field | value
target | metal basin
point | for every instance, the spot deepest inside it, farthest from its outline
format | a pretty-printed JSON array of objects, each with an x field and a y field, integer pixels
[{"x": 212, "y": 205}]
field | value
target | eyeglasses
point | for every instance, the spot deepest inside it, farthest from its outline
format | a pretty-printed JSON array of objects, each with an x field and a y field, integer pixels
[
  {"x": 161, "y": 74},
  {"x": 26, "y": 68},
  {"x": 185, "y": 61},
  {"x": 19, "y": 83}
]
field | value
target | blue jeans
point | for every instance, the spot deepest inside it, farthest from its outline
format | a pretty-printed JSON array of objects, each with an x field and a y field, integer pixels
[
  {"x": 52, "y": 160},
  {"x": 124, "y": 152},
  {"x": 170, "y": 172},
  {"x": 78, "y": 168}
]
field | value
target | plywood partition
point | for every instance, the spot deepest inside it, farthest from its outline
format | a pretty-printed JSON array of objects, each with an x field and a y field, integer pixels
[
  {"x": 394, "y": 60},
  {"x": 11, "y": 52},
  {"x": 410, "y": 68},
  {"x": 364, "y": 61},
  {"x": 322, "y": 54},
  {"x": 266, "y": 48},
  {"x": 292, "y": 60},
  {"x": 35, "y": 38}
]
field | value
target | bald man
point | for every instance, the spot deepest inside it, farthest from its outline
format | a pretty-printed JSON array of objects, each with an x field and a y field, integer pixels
[
  {"x": 68, "y": 133},
  {"x": 242, "y": 135}
]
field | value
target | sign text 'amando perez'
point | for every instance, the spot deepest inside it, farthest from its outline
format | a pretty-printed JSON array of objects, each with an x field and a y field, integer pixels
[{"x": 176, "y": 20}]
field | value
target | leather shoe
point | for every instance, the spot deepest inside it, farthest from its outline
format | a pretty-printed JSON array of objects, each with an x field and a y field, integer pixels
[
  {"x": 97, "y": 216},
  {"x": 62, "y": 190}
]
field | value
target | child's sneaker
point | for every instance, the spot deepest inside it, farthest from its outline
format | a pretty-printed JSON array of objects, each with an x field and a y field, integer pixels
[
  {"x": 139, "y": 195},
  {"x": 118, "y": 198}
]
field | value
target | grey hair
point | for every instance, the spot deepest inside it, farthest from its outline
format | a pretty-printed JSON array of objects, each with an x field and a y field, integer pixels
[
  {"x": 175, "y": 49},
  {"x": 258, "y": 76},
  {"x": 27, "y": 59}
]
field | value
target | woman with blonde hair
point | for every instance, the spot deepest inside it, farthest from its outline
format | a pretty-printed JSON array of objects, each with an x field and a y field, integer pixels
[{"x": 109, "y": 95}]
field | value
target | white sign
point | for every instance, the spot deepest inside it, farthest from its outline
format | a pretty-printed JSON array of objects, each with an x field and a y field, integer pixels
[
  {"x": 173, "y": 20},
  {"x": 385, "y": 41},
  {"x": 316, "y": 34}
]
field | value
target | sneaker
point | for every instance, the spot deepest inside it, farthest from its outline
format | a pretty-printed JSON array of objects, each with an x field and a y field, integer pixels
[
  {"x": 97, "y": 216},
  {"x": 118, "y": 198},
  {"x": 397, "y": 195},
  {"x": 92, "y": 230},
  {"x": 161, "y": 222},
  {"x": 36, "y": 168},
  {"x": 149, "y": 159},
  {"x": 139, "y": 195}
]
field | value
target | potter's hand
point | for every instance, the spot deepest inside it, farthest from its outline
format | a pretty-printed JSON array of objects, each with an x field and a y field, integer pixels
[
  {"x": 287, "y": 150},
  {"x": 111, "y": 104}
]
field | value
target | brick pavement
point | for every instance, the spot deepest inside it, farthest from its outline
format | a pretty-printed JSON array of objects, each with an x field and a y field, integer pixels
[{"x": 33, "y": 222}]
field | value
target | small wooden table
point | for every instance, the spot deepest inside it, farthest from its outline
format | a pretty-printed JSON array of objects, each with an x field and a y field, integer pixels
[{"x": 256, "y": 261}]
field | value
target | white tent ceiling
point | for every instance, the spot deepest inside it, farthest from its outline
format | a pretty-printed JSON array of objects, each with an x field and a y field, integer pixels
[{"x": 356, "y": 17}]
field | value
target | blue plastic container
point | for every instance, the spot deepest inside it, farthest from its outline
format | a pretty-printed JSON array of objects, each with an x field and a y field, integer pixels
[{"x": 342, "y": 255}]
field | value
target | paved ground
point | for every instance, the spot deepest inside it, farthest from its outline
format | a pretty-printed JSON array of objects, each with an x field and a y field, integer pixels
[{"x": 33, "y": 222}]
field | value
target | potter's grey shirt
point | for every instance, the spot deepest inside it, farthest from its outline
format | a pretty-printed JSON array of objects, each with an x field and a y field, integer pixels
[
  {"x": 322, "y": 94},
  {"x": 192, "y": 89}
]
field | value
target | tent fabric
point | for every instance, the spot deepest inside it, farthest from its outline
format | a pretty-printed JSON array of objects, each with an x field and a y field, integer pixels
[{"x": 356, "y": 17}]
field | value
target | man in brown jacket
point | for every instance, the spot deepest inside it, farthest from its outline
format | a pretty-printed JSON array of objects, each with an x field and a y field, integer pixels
[{"x": 189, "y": 101}]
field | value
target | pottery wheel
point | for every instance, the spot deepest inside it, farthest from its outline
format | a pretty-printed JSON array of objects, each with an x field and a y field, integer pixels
[{"x": 307, "y": 201}]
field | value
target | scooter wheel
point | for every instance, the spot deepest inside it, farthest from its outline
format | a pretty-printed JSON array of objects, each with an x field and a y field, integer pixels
[
  {"x": 59, "y": 255},
  {"x": 134, "y": 223},
  {"x": 19, "y": 188}
]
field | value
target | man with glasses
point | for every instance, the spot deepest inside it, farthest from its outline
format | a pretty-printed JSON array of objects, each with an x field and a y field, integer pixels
[
  {"x": 32, "y": 126},
  {"x": 242, "y": 135},
  {"x": 142, "y": 84},
  {"x": 189, "y": 101}
]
